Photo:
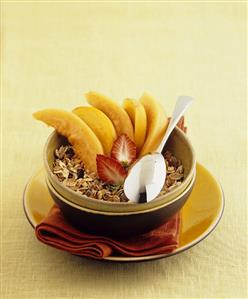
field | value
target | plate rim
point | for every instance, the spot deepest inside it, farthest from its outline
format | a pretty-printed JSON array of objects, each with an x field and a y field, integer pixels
[{"x": 187, "y": 246}]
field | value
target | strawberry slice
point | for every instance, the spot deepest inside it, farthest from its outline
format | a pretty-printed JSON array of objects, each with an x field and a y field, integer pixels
[
  {"x": 180, "y": 124},
  {"x": 110, "y": 170},
  {"x": 124, "y": 150}
]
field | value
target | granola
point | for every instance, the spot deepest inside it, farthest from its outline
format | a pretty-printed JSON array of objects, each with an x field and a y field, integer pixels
[{"x": 70, "y": 171}]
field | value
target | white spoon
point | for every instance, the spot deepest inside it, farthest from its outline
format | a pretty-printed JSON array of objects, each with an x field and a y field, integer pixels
[{"x": 147, "y": 176}]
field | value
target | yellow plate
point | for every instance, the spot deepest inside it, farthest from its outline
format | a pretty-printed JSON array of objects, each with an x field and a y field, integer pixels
[{"x": 200, "y": 214}]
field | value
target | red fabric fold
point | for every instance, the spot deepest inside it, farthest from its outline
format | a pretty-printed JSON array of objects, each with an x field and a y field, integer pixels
[{"x": 55, "y": 231}]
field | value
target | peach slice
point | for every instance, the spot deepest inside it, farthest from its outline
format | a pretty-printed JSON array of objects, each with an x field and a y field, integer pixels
[
  {"x": 100, "y": 124},
  {"x": 137, "y": 114},
  {"x": 83, "y": 140},
  {"x": 157, "y": 123},
  {"x": 115, "y": 113}
]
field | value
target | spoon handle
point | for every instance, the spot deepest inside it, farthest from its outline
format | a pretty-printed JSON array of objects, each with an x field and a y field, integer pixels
[{"x": 182, "y": 104}]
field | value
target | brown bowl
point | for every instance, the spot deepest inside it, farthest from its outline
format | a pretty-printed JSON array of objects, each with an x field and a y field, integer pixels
[
  {"x": 178, "y": 144},
  {"x": 117, "y": 223}
]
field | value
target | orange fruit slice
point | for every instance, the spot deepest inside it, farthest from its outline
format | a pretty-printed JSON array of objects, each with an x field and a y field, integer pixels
[
  {"x": 83, "y": 140},
  {"x": 100, "y": 124},
  {"x": 137, "y": 114},
  {"x": 115, "y": 113},
  {"x": 157, "y": 123}
]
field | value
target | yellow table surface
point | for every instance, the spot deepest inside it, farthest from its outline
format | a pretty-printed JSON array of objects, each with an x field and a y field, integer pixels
[{"x": 52, "y": 53}]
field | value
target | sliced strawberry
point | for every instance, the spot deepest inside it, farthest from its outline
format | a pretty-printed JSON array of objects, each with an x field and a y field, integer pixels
[
  {"x": 124, "y": 150},
  {"x": 110, "y": 170},
  {"x": 180, "y": 124}
]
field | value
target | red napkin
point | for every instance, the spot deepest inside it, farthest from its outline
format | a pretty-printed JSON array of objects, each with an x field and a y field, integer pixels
[{"x": 57, "y": 232}]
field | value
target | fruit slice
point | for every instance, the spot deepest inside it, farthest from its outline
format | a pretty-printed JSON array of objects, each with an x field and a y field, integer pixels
[
  {"x": 130, "y": 106},
  {"x": 110, "y": 170},
  {"x": 137, "y": 115},
  {"x": 116, "y": 114},
  {"x": 157, "y": 123},
  {"x": 100, "y": 124},
  {"x": 124, "y": 150},
  {"x": 83, "y": 140}
]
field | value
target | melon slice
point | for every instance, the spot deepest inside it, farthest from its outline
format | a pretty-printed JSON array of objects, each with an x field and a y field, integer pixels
[
  {"x": 157, "y": 123},
  {"x": 137, "y": 114},
  {"x": 83, "y": 140},
  {"x": 100, "y": 124},
  {"x": 115, "y": 113}
]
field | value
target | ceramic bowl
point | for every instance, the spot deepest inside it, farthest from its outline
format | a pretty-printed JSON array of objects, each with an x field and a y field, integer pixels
[
  {"x": 117, "y": 223},
  {"x": 178, "y": 144}
]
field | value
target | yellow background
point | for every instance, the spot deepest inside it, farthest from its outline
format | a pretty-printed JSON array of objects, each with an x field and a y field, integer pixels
[{"x": 52, "y": 53}]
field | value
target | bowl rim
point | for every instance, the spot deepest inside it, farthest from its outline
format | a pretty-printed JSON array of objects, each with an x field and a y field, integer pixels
[
  {"x": 100, "y": 212},
  {"x": 164, "y": 198}
]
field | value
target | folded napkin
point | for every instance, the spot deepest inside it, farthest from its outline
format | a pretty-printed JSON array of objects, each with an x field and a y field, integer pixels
[{"x": 55, "y": 231}]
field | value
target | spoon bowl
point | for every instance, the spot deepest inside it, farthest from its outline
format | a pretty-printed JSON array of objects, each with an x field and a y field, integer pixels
[{"x": 146, "y": 176}]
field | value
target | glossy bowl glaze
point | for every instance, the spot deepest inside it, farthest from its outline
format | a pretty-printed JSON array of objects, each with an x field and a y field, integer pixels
[
  {"x": 117, "y": 223},
  {"x": 178, "y": 144}
]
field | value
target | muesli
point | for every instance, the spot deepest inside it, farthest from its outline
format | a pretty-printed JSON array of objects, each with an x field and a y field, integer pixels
[{"x": 70, "y": 171}]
